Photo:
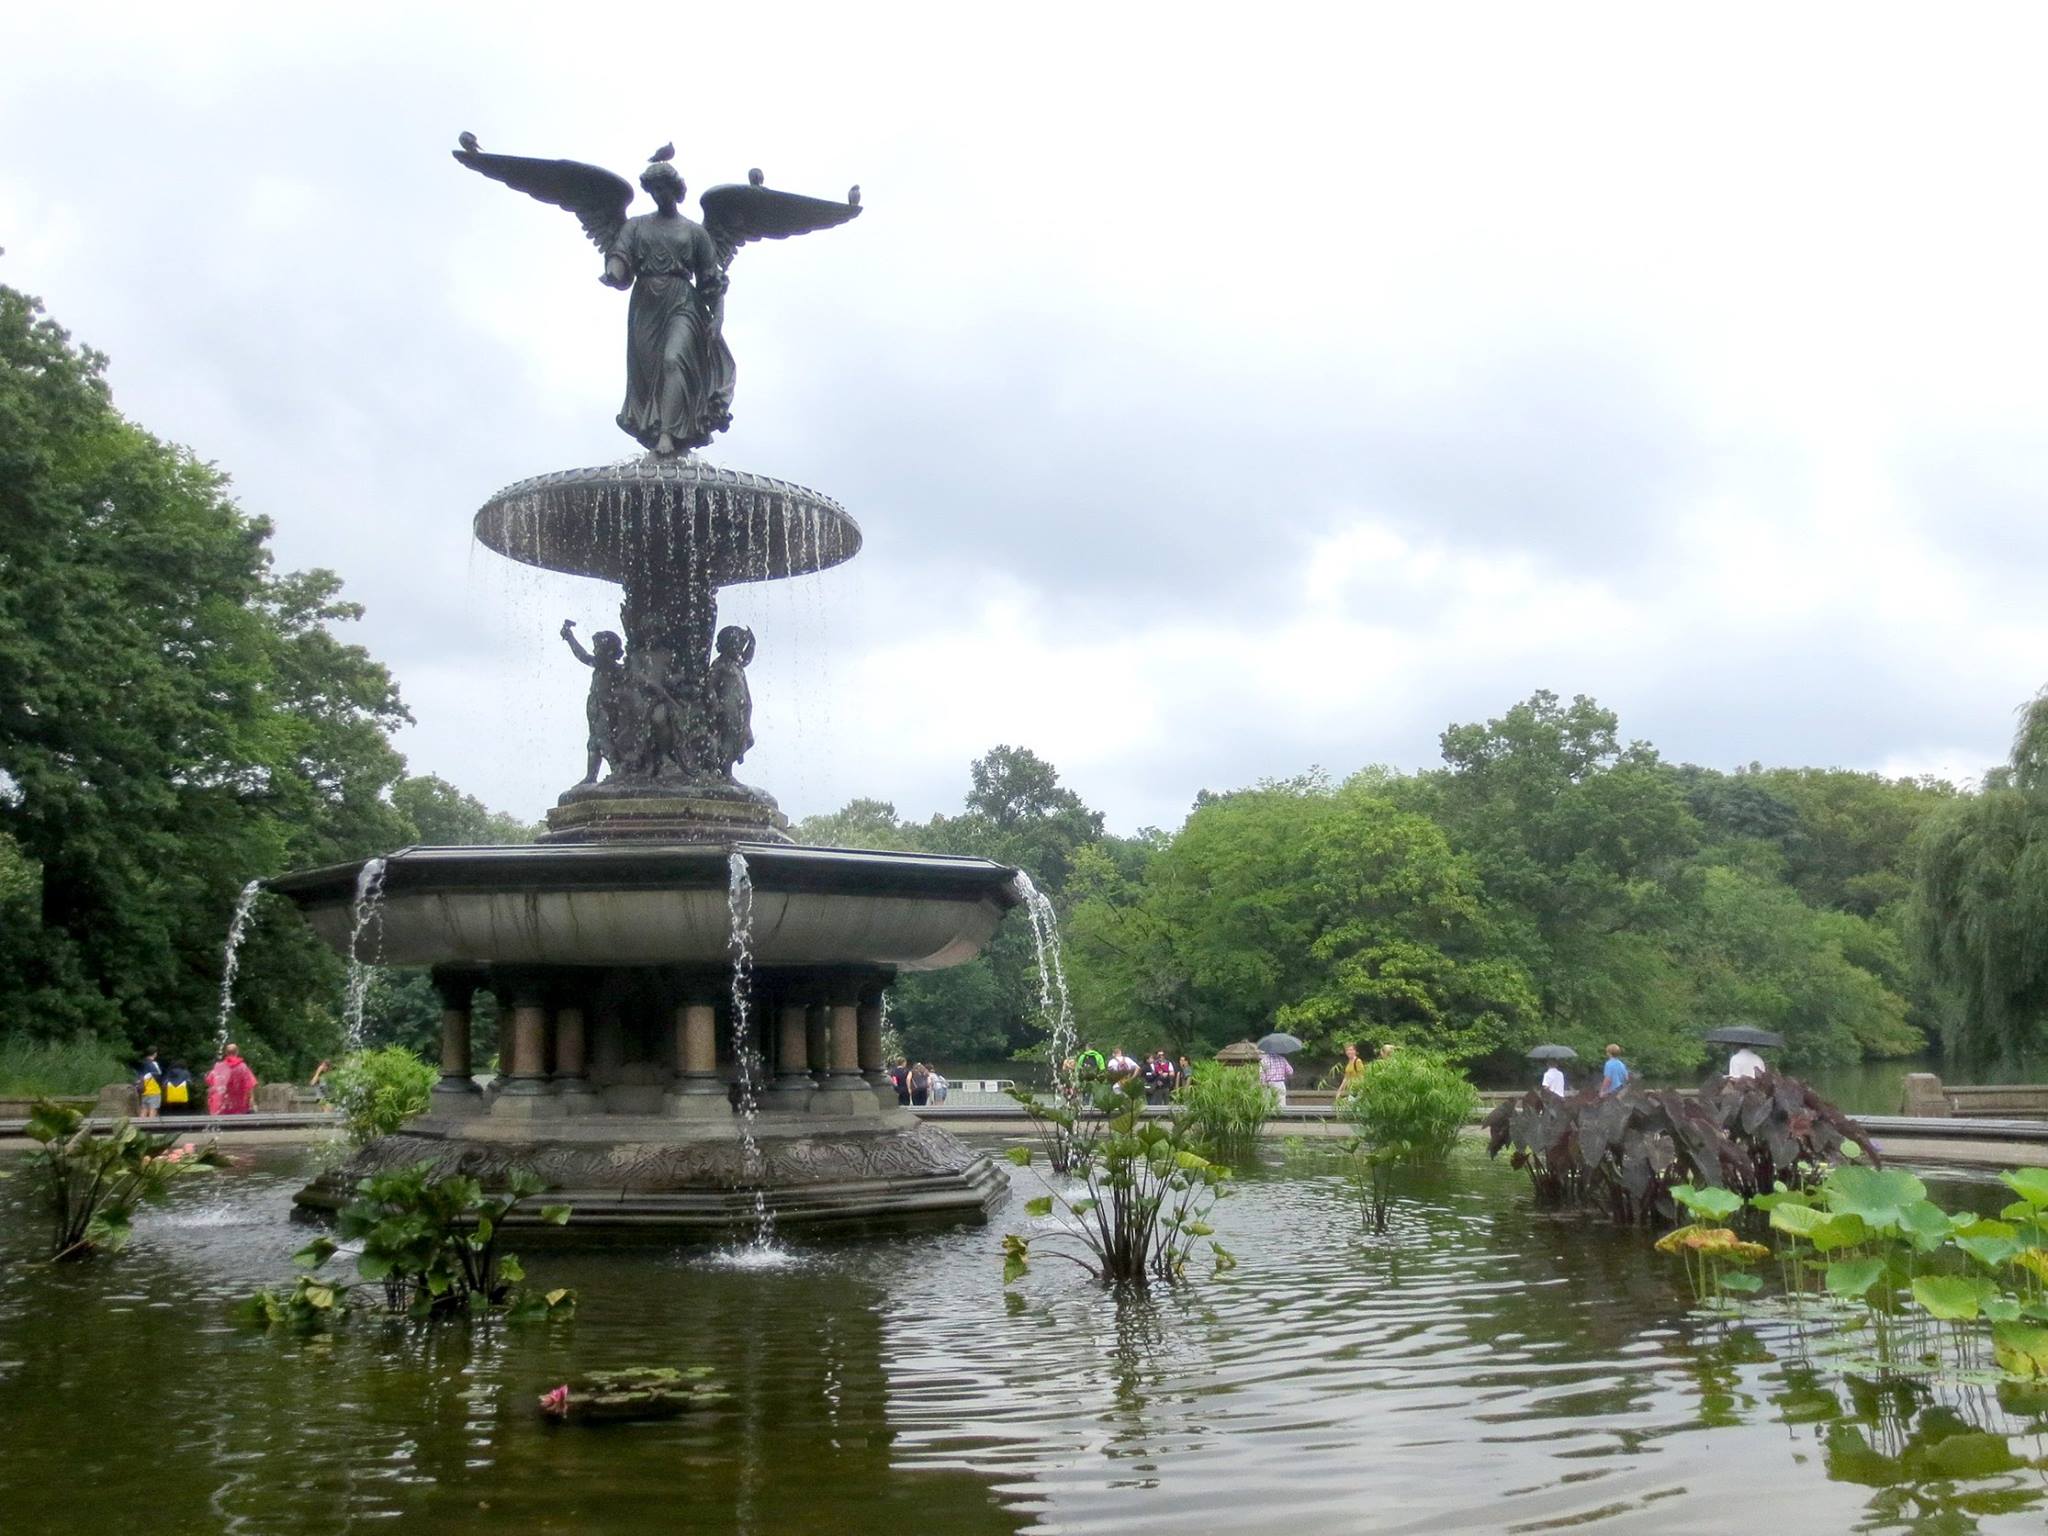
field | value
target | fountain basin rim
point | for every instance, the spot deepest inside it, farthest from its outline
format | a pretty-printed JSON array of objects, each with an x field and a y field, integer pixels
[{"x": 772, "y": 867}]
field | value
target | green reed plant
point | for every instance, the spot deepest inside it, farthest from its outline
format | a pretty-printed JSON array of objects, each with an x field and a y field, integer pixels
[
  {"x": 92, "y": 1181},
  {"x": 1409, "y": 1109},
  {"x": 379, "y": 1090},
  {"x": 1225, "y": 1107},
  {"x": 1132, "y": 1197}
]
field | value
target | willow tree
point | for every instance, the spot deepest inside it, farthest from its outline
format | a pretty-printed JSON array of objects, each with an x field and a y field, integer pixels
[{"x": 1981, "y": 902}]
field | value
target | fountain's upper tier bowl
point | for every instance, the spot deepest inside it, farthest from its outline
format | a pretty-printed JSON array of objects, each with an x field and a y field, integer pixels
[
  {"x": 668, "y": 517},
  {"x": 666, "y": 904}
]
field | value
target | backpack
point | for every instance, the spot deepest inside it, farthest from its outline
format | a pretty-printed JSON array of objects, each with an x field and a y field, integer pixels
[
  {"x": 146, "y": 1085},
  {"x": 176, "y": 1093}
]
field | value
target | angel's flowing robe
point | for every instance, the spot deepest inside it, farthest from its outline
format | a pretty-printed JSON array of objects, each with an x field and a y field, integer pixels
[{"x": 679, "y": 371}]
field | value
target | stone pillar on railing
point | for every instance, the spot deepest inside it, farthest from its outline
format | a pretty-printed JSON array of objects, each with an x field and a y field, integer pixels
[
  {"x": 1923, "y": 1095},
  {"x": 457, "y": 1093}
]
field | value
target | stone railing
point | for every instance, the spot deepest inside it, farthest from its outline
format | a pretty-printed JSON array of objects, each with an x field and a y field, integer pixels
[{"x": 1926, "y": 1096}]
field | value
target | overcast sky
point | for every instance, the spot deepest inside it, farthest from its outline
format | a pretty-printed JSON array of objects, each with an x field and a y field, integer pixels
[{"x": 1219, "y": 392}]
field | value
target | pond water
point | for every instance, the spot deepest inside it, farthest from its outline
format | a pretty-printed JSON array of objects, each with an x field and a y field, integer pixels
[{"x": 1480, "y": 1368}]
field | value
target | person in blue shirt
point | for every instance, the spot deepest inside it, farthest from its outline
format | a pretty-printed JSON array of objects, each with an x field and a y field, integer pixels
[{"x": 1614, "y": 1074}]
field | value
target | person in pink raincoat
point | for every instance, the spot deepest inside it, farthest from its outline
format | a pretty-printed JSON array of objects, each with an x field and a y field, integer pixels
[{"x": 237, "y": 1085}]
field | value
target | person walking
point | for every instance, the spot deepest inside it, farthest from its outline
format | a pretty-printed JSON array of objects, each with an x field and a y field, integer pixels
[
  {"x": 939, "y": 1085},
  {"x": 1353, "y": 1071},
  {"x": 1090, "y": 1064},
  {"x": 1615, "y": 1074},
  {"x": 1274, "y": 1071},
  {"x": 1553, "y": 1081},
  {"x": 178, "y": 1091},
  {"x": 238, "y": 1083},
  {"x": 149, "y": 1086},
  {"x": 899, "y": 1079},
  {"x": 1745, "y": 1063}
]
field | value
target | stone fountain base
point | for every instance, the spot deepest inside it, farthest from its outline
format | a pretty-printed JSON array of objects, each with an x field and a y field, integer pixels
[{"x": 669, "y": 1179}]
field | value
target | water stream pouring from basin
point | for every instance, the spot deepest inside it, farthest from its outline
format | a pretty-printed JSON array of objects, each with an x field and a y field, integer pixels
[
  {"x": 740, "y": 911},
  {"x": 1053, "y": 1002},
  {"x": 231, "y": 961},
  {"x": 368, "y": 911}
]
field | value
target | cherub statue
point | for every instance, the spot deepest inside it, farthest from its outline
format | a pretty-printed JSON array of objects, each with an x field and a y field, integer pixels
[
  {"x": 606, "y": 709},
  {"x": 731, "y": 701},
  {"x": 679, "y": 372}
]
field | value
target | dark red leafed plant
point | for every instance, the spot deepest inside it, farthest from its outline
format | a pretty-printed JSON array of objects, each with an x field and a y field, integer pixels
[{"x": 1622, "y": 1154}]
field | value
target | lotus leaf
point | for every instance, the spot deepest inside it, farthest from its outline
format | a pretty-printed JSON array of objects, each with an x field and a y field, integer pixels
[
  {"x": 1853, "y": 1277},
  {"x": 1797, "y": 1220},
  {"x": 1988, "y": 1248},
  {"x": 1741, "y": 1282},
  {"x": 1952, "y": 1298},
  {"x": 2030, "y": 1184},
  {"x": 1879, "y": 1195},
  {"x": 1844, "y": 1231},
  {"x": 2034, "y": 1261},
  {"x": 1710, "y": 1204},
  {"x": 2021, "y": 1348},
  {"x": 1926, "y": 1224},
  {"x": 1972, "y": 1453}
]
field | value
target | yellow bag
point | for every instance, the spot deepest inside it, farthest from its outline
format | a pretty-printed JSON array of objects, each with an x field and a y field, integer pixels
[
  {"x": 176, "y": 1093},
  {"x": 147, "y": 1087}
]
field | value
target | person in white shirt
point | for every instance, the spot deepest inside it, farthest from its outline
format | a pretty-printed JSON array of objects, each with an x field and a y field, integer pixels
[
  {"x": 1745, "y": 1063},
  {"x": 1553, "y": 1081}
]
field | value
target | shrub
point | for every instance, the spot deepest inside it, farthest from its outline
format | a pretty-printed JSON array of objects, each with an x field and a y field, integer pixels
[
  {"x": 93, "y": 1182},
  {"x": 1148, "y": 1190},
  {"x": 80, "y": 1066},
  {"x": 1224, "y": 1107},
  {"x": 379, "y": 1090},
  {"x": 1408, "y": 1108}
]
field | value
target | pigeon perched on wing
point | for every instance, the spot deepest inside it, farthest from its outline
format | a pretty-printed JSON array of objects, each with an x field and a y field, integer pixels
[
  {"x": 755, "y": 178},
  {"x": 468, "y": 141},
  {"x": 666, "y": 152}
]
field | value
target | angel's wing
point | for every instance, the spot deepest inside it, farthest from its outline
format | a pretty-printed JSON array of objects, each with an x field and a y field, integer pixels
[
  {"x": 734, "y": 215},
  {"x": 597, "y": 197}
]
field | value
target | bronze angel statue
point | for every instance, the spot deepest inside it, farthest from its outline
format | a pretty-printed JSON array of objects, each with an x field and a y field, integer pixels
[{"x": 679, "y": 371}]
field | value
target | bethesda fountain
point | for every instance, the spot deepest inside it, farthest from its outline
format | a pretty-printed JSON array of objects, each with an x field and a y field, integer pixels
[{"x": 690, "y": 1005}]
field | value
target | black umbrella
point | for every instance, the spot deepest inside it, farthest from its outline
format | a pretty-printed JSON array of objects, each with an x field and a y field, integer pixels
[
  {"x": 1553, "y": 1053},
  {"x": 1744, "y": 1034},
  {"x": 1277, "y": 1044}
]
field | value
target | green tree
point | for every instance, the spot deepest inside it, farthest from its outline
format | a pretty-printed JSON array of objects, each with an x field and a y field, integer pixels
[
  {"x": 175, "y": 718},
  {"x": 442, "y": 816},
  {"x": 1980, "y": 907}
]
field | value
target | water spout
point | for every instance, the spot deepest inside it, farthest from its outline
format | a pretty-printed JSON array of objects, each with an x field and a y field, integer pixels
[
  {"x": 739, "y": 902},
  {"x": 1054, "y": 1005},
  {"x": 367, "y": 911},
  {"x": 231, "y": 960}
]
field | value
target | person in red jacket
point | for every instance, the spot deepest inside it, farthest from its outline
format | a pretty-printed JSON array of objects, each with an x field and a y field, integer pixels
[{"x": 237, "y": 1084}]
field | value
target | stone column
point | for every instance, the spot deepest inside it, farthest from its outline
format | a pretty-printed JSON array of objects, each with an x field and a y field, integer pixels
[
  {"x": 844, "y": 1091},
  {"x": 816, "y": 1048},
  {"x": 572, "y": 1081},
  {"x": 524, "y": 1093},
  {"x": 792, "y": 1090},
  {"x": 457, "y": 1093},
  {"x": 696, "y": 1092}
]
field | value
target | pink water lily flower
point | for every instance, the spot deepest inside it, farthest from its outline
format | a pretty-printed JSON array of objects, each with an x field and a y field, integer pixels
[{"x": 556, "y": 1402}]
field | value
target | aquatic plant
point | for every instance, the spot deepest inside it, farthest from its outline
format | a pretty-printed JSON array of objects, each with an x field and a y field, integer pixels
[
  {"x": 92, "y": 1181},
  {"x": 1936, "y": 1291},
  {"x": 1409, "y": 1109},
  {"x": 379, "y": 1090},
  {"x": 1133, "y": 1196},
  {"x": 1622, "y": 1154},
  {"x": 1225, "y": 1107},
  {"x": 432, "y": 1245},
  {"x": 632, "y": 1395}
]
